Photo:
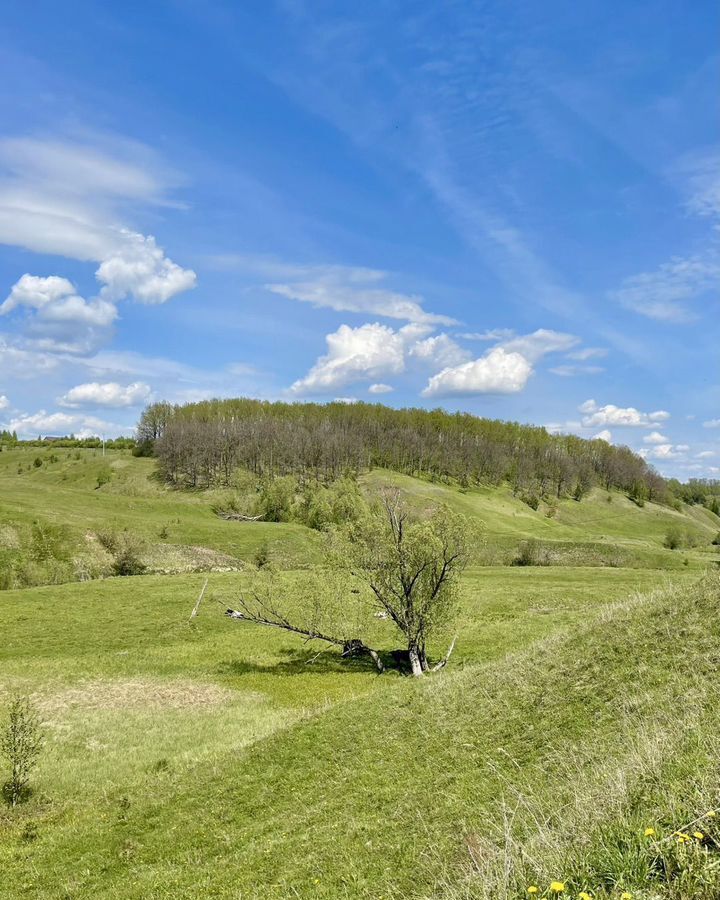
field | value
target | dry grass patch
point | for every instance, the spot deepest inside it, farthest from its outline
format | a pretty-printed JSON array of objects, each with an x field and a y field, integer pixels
[{"x": 138, "y": 693}]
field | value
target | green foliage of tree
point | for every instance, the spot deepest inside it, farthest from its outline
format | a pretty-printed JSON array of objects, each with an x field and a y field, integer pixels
[
  {"x": 387, "y": 567},
  {"x": 411, "y": 566}
]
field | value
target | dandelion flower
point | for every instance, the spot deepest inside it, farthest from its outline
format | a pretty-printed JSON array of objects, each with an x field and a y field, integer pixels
[
  {"x": 316, "y": 881},
  {"x": 557, "y": 887},
  {"x": 710, "y": 815},
  {"x": 649, "y": 832},
  {"x": 583, "y": 895},
  {"x": 533, "y": 889},
  {"x": 626, "y": 895},
  {"x": 698, "y": 834}
]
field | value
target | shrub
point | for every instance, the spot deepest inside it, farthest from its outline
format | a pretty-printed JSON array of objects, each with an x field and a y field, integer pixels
[
  {"x": 532, "y": 500},
  {"x": 108, "y": 539},
  {"x": 20, "y": 743},
  {"x": 262, "y": 555},
  {"x": 673, "y": 538},
  {"x": 144, "y": 448},
  {"x": 128, "y": 563},
  {"x": 716, "y": 542},
  {"x": 37, "y": 462},
  {"x": 528, "y": 554},
  {"x": 276, "y": 497},
  {"x": 49, "y": 542},
  {"x": 104, "y": 476}
]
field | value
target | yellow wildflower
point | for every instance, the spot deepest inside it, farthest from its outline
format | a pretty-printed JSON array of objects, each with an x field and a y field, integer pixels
[
  {"x": 649, "y": 832},
  {"x": 557, "y": 887},
  {"x": 583, "y": 895},
  {"x": 533, "y": 889},
  {"x": 698, "y": 834},
  {"x": 626, "y": 895},
  {"x": 316, "y": 881},
  {"x": 710, "y": 815}
]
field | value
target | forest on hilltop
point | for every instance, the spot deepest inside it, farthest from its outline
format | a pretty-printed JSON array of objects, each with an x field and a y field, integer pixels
[{"x": 202, "y": 444}]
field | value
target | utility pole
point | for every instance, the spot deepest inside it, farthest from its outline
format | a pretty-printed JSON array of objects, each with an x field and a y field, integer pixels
[{"x": 103, "y": 439}]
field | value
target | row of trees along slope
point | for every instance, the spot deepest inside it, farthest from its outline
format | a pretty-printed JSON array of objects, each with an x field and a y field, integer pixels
[{"x": 202, "y": 444}]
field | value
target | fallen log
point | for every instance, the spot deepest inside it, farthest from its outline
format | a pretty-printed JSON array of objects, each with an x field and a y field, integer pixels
[
  {"x": 238, "y": 517},
  {"x": 354, "y": 647}
]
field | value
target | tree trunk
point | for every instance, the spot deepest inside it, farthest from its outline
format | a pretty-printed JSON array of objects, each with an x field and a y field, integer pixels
[{"x": 415, "y": 663}]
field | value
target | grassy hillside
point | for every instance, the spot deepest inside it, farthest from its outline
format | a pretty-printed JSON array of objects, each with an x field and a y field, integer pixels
[
  {"x": 86, "y": 494},
  {"x": 215, "y": 759}
]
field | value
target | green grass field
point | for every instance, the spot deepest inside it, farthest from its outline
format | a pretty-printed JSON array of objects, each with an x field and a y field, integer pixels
[{"x": 217, "y": 759}]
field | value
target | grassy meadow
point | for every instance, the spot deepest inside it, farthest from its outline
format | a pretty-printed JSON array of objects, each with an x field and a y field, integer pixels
[{"x": 210, "y": 758}]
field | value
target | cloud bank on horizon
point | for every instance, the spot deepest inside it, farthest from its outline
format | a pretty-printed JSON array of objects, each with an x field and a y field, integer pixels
[{"x": 391, "y": 211}]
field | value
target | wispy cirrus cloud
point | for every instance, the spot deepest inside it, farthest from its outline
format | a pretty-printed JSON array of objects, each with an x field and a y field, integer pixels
[{"x": 664, "y": 293}]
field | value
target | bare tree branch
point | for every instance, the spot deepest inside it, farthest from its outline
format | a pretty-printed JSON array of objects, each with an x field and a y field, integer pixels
[{"x": 444, "y": 661}]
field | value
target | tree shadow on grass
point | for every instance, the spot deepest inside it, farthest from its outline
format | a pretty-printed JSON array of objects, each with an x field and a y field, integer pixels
[{"x": 303, "y": 661}]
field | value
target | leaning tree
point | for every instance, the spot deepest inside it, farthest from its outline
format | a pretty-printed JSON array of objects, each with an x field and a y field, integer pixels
[{"x": 387, "y": 565}]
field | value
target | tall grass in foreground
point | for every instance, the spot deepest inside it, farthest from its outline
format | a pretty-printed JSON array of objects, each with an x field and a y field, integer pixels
[{"x": 643, "y": 823}]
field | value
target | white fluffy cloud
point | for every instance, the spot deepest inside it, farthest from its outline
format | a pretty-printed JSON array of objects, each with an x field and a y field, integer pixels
[
  {"x": 4, "y": 402},
  {"x": 363, "y": 353},
  {"x": 662, "y": 452},
  {"x": 358, "y": 290},
  {"x": 140, "y": 269},
  {"x": 380, "y": 388},
  {"x": 497, "y": 372},
  {"x": 712, "y": 423},
  {"x": 42, "y": 423},
  {"x": 439, "y": 351},
  {"x": 367, "y": 352},
  {"x": 109, "y": 394},
  {"x": 57, "y": 317},
  {"x": 603, "y": 435},
  {"x": 655, "y": 438},
  {"x": 66, "y": 199},
  {"x": 599, "y": 416}
]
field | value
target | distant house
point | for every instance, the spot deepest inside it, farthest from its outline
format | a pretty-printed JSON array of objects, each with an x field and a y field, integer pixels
[{"x": 54, "y": 437}]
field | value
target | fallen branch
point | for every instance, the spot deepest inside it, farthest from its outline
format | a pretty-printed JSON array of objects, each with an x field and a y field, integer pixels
[
  {"x": 199, "y": 601},
  {"x": 354, "y": 647},
  {"x": 444, "y": 661},
  {"x": 238, "y": 517}
]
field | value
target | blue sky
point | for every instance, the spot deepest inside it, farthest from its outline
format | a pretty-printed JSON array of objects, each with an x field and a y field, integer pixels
[{"x": 510, "y": 209}]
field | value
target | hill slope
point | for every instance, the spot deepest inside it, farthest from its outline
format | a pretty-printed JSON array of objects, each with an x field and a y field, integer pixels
[{"x": 401, "y": 790}]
